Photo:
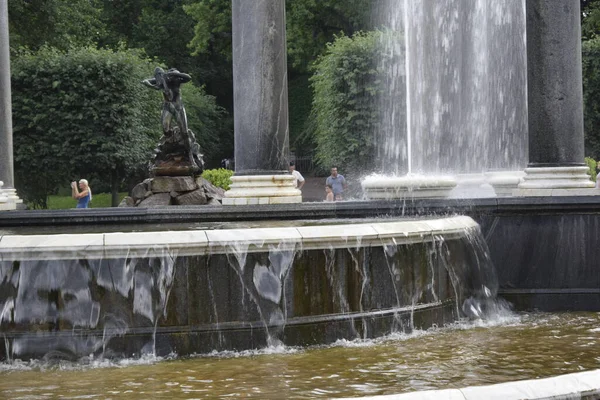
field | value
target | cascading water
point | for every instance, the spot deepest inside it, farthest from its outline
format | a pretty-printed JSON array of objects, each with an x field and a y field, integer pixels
[
  {"x": 97, "y": 300},
  {"x": 454, "y": 98},
  {"x": 239, "y": 289}
]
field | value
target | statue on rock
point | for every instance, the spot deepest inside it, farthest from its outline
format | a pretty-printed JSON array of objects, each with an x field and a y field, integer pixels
[{"x": 178, "y": 153}]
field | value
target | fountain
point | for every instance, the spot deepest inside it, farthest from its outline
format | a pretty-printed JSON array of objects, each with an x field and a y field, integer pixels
[
  {"x": 454, "y": 100},
  {"x": 194, "y": 291},
  {"x": 260, "y": 272}
]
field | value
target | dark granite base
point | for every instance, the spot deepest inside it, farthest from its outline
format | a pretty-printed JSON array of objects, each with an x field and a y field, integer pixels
[
  {"x": 233, "y": 336},
  {"x": 125, "y": 307}
]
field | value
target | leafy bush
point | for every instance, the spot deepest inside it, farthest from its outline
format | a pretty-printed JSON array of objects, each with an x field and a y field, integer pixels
[
  {"x": 591, "y": 96},
  {"x": 80, "y": 113},
  {"x": 345, "y": 115},
  {"x": 220, "y": 177},
  {"x": 591, "y": 163}
]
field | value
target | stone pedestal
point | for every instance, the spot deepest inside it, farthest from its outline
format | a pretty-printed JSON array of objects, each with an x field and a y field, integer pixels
[
  {"x": 504, "y": 182},
  {"x": 8, "y": 198},
  {"x": 262, "y": 189},
  {"x": 556, "y": 181},
  {"x": 260, "y": 105},
  {"x": 472, "y": 186},
  {"x": 555, "y": 100},
  {"x": 408, "y": 186}
]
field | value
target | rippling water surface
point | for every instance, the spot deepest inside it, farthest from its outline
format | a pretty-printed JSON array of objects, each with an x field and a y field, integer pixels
[{"x": 524, "y": 346}]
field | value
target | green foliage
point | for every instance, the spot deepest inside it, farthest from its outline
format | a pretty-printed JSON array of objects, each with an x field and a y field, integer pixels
[
  {"x": 121, "y": 18},
  {"x": 58, "y": 23},
  {"x": 591, "y": 163},
  {"x": 213, "y": 26},
  {"x": 78, "y": 113},
  {"x": 590, "y": 18},
  {"x": 209, "y": 122},
  {"x": 220, "y": 177},
  {"x": 163, "y": 29},
  {"x": 591, "y": 96},
  {"x": 345, "y": 116},
  {"x": 311, "y": 24}
]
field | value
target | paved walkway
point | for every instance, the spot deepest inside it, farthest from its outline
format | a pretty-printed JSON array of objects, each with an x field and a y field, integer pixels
[{"x": 313, "y": 189}]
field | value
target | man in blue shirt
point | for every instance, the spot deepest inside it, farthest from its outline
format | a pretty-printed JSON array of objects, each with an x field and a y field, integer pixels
[{"x": 337, "y": 183}]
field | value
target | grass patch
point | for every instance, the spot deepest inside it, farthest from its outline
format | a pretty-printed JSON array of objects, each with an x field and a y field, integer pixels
[{"x": 99, "y": 200}]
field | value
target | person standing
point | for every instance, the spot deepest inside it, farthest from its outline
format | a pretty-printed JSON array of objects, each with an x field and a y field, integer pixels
[
  {"x": 338, "y": 184},
  {"x": 85, "y": 196},
  {"x": 299, "y": 178}
]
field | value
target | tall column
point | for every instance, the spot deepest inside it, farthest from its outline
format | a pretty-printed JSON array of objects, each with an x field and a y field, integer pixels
[
  {"x": 555, "y": 100},
  {"x": 260, "y": 105},
  {"x": 8, "y": 197}
]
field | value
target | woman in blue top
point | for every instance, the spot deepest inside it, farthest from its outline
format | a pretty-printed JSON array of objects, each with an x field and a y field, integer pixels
[{"x": 85, "y": 196}]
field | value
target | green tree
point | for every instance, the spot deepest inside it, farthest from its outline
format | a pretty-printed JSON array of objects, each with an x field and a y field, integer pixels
[
  {"x": 80, "y": 113},
  {"x": 212, "y": 31},
  {"x": 590, "y": 18},
  {"x": 344, "y": 119},
  {"x": 208, "y": 122},
  {"x": 164, "y": 30},
  {"x": 311, "y": 24},
  {"x": 121, "y": 18},
  {"x": 591, "y": 96},
  {"x": 57, "y": 23}
]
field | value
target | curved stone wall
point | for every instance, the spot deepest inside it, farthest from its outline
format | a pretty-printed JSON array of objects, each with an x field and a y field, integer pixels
[{"x": 125, "y": 294}]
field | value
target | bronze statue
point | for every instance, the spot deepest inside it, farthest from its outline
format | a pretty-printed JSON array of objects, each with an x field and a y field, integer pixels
[{"x": 178, "y": 141}]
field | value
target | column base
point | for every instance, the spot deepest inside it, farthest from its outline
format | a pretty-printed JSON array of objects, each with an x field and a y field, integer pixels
[
  {"x": 408, "y": 186},
  {"x": 262, "y": 189},
  {"x": 8, "y": 199},
  {"x": 472, "y": 186},
  {"x": 504, "y": 182},
  {"x": 556, "y": 181}
]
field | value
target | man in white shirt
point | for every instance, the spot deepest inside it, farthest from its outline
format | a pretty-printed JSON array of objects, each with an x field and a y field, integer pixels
[{"x": 297, "y": 175}]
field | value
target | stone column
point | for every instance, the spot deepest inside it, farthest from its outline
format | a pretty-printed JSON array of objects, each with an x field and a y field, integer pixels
[
  {"x": 260, "y": 105},
  {"x": 555, "y": 101},
  {"x": 8, "y": 196}
]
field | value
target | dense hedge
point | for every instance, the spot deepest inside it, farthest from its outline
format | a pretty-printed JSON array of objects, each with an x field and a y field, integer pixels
[
  {"x": 77, "y": 114},
  {"x": 220, "y": 177},
  {"x": 591, "y": 96},
  {"x": 591, "y": 163},
  {"x": 345, "y": 115}
]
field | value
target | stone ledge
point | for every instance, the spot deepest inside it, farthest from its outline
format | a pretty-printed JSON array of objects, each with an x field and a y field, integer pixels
[
  {"x": 242, "y": 201},
  {"x": 217, "y": 241},
  {"x": 8, "y": 206},
  {"x": 580, "y": 385},
  {"x": 539, "y": 192}
]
